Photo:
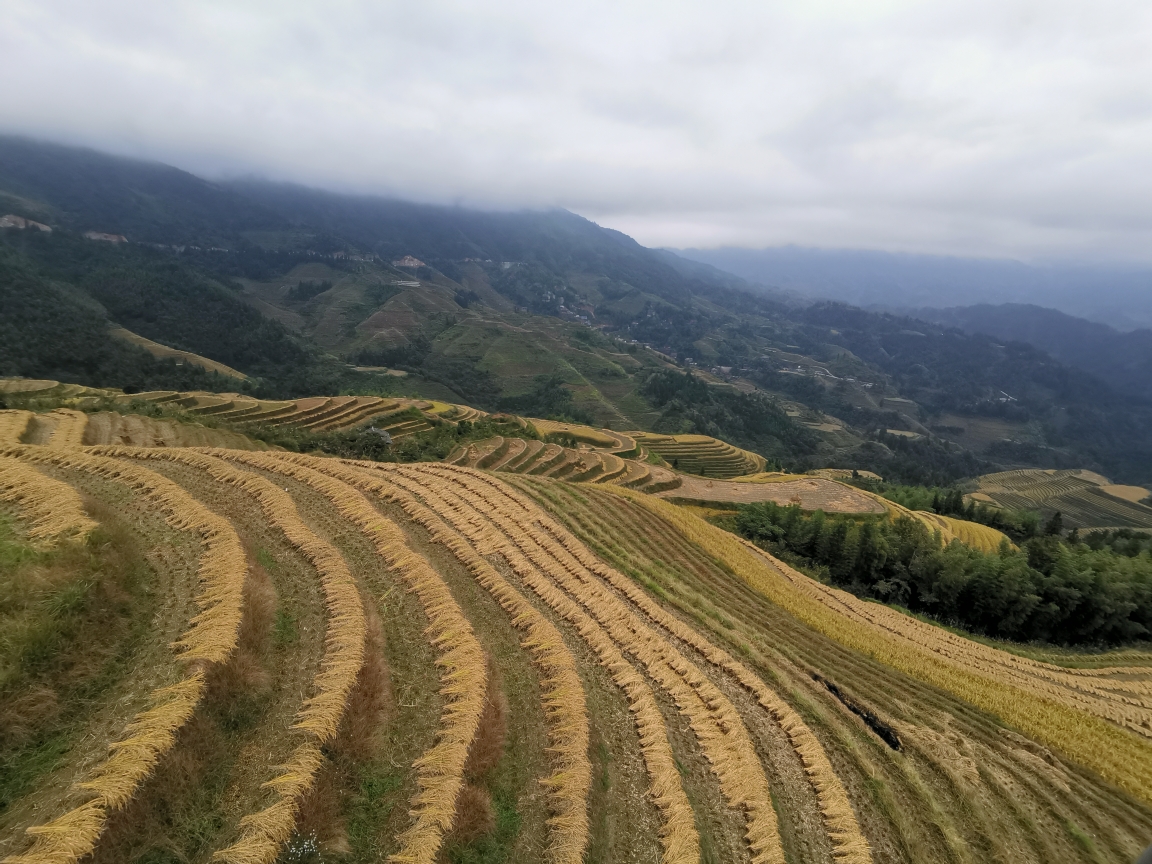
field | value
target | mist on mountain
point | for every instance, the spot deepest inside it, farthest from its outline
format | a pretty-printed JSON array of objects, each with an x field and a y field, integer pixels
[{"x": 1113, "y": 294}]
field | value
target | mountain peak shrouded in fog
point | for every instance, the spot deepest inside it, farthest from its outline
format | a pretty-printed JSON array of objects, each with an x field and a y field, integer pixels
[{"x": 1015, "y": 129}]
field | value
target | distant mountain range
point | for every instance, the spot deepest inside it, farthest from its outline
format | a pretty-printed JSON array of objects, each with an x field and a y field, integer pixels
[
  {"x": 1123, "y": 360},
  {"x": 1118, "y": 296},
  {"x": 542, "y": 313}
]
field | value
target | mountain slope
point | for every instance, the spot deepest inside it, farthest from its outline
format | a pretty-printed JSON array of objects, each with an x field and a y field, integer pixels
[
  {"x": 1123, "y": 360},
  {"x": 1114, "y": 295},
  {"x": 150, "y": 202},
  {"x": 539, "y": 313}
]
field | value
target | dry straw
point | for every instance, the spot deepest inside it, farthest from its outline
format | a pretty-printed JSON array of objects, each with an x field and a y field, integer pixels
[
  {"x": 70, "y": 426},
  {"x": 1060, "y": 721},
  {"x": 12, "y": 426},
  {"x": 264, "y": 833},
  {"x": 564, "y": 700},
  {"x": 717, "y": 725},
  {"x": 464, "y": 676},
  {"x": 52, "y": 508},
  {"x": 210, "y": 639},
  {"x": 848, "y": 842},
  {"x": 1121, "y": 695},
  {"x": 679, "y": 838}
]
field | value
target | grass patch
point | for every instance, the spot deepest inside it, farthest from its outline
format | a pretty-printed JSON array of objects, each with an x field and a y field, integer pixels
[
  {"x": 265, "y": 559},
  {"x": 495, "y": 847},
  {"x": 371, "y": 805},
  {"x": 1082, "y": 839},
  {"x": 71, "y": 618},
  {"x": 284, "y": 630}
]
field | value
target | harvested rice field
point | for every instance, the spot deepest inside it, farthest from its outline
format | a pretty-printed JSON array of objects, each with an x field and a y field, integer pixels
[
  {"x": 810, "y": 493},
  {"x": 1083, "y": 498},
  {"x": 228, "y": 654}
]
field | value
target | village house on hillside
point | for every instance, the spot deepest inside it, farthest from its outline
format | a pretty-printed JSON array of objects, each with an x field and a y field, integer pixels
[{"x": 12, "y": 221}]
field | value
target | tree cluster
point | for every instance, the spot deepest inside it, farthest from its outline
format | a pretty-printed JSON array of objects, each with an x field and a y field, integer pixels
[{"x": 1050, "y": 590}]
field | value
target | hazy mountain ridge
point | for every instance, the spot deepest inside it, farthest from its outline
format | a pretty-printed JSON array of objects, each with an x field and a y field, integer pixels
[
  {"x": 1123, "y": 360},
  {"x": 521, "y": 307},
  {"x": 1119, "y": 296}
]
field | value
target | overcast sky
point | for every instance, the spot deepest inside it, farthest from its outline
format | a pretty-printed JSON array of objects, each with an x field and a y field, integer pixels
[{"x": 1018, "y": 128}]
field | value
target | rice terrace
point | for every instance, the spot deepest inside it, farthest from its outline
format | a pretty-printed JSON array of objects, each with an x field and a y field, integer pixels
[
  {"x": 227, "y": 651},
  {"x": 480, "y": 433}
]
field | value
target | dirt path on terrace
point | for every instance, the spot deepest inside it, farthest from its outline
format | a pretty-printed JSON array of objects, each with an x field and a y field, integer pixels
[{"x": 811, "y": 493}]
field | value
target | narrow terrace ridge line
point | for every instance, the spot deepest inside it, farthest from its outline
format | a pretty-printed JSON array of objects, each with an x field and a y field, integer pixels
[
  {"x": 52, "y": 508},
  {"x": 1120, "y": 755},
  {"x": 12, "y": 425},
  {"x": 836, "y": 810},
  {"x": 69, "y": 431},
  {"x": 714, "y": 719},
  {"x": 564, "y": 700},
  {"x": 211, "y": 638}
]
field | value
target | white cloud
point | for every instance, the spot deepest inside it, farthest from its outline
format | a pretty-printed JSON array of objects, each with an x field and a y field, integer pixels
[{"x": 1016, "y": 127}]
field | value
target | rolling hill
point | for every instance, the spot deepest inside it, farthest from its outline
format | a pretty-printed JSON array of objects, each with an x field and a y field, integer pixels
[
  {"x": 1114, "y": 295},
  {"x": 541, "y": 314}
]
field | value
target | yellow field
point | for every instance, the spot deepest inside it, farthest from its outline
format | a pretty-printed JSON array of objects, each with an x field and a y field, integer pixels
[
  {"x": 595, "y": 437},
  {"x": 1083, "y": 498},
  {"x": 973, "y": 534},
  {"x": 521, "y": 456},
  {"x": 437, "y": 662},
  {"x": 701, "y": 454},
  {"x": 1043, "y": 700}
]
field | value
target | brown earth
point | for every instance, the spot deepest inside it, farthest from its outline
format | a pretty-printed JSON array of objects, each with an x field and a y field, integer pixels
[{"x": 811, "y": 493}]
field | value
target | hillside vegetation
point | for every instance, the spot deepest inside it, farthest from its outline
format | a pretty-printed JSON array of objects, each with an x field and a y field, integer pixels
[
  {"x": 1123, "y": 359},
  {"x": 539, "y": 314}
]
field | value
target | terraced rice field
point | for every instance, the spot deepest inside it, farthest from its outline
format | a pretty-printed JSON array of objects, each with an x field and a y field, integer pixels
[
  {"x": 362, "y": 661},
  {"x": 700, "y": 454},
  {"x": 397, "y": 416},
  {"x": 1082, "y": 497},
  {"x": 542, "y": 459},
  {"x": 810, "y": 493},
  {"x": 320, "y": 413},
  {"x": 73, "y": 428},
  {"x": 617, "y": 443}
]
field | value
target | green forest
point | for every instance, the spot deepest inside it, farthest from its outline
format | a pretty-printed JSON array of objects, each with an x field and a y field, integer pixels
[{"x": 1061, "y": 590}]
